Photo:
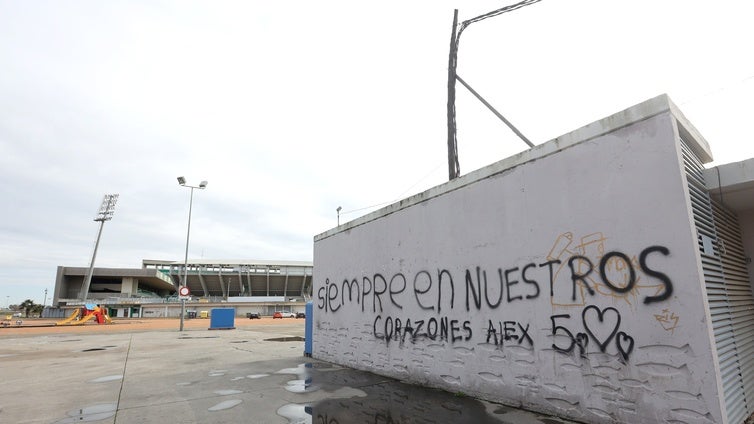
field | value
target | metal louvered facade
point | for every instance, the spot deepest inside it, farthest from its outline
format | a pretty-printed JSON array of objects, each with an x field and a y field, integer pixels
[
  {"x": 233, "y": 278},
  {"x": 729, "y": 294}
]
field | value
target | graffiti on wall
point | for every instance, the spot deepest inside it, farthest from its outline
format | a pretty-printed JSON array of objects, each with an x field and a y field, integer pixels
[
  {"x": 617, "y": 269},
  {"x": 668, "y": 320},
  {"x": 575, "y": 275}
]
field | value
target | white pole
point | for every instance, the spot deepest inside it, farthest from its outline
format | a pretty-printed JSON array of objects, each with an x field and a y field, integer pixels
[
  {"x": 88, "y": 279},
  {"x": 185, "y": 257}
]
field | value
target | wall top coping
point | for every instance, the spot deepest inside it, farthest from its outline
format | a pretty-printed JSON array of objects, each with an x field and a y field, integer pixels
[
  {"x": 639, "y": 112},
  {"x": 732, "y": 184}
]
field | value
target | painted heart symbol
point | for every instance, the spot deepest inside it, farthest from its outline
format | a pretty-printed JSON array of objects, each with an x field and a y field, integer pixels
[
  {"x": 601, "y": 317},
  {"x": 622, "y": 339},
  {"x": 582, "y": 340}
]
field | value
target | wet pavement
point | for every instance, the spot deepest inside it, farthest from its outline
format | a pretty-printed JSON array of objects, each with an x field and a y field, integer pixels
[
  {"x": 256, "y": 375},
  {"x": 388, "y": 401}
]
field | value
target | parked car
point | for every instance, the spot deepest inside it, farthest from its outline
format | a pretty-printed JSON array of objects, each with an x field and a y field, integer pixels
[
  {"x": 277, "y": 315},
  {"x": 285, "y": 314},
  {"x": 252, "y": 315},
  {"x": 300, "y": 315}
]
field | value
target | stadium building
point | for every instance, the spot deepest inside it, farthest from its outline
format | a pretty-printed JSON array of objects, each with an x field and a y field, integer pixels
[{"x": 249, "y": 286}]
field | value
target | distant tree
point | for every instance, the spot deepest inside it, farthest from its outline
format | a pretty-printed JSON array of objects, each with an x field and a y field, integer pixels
[
  {"x": 27, "y": 306},
  {"x": 37, "y": 310}
]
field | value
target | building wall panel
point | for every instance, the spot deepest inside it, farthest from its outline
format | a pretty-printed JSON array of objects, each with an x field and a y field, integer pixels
[{"x": 567, "y": 283}]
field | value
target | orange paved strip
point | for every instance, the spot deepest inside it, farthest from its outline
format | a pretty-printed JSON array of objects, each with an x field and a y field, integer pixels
[{"x": 38, "y": 326}]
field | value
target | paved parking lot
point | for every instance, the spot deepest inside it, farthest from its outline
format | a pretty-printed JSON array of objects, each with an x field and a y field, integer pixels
[{"x": 256, "y": 373}]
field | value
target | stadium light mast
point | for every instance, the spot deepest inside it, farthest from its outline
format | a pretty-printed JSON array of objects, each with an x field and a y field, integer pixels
[
  {"x": 202, "y": 185},
  {"x": 105, "y": 213}
]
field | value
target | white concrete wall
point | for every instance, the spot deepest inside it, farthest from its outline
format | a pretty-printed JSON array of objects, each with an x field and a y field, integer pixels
[
  {"x": 160, "y": 311},
  {"x": 129, "y": 286},
  {"x": 483, "y": 286}
]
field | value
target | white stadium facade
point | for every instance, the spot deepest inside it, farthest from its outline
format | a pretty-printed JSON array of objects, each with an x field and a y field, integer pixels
[{"x": 249, "y": 286}]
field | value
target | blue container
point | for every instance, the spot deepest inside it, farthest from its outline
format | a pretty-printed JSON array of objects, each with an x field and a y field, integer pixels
[
  {"x": 222, "y": 319},
  {"x": 308, "y": 329}
]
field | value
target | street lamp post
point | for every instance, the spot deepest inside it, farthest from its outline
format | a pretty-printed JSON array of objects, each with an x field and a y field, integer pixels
[
  {"x": 202, "y": 186},
  {"x": 454, "y": 169}
]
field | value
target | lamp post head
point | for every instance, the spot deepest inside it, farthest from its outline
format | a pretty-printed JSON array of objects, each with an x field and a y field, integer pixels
[
  {"x": 181, "y": 181},
  {"x": 338, "y": 210},
  {"x": 203, "y": 184}
]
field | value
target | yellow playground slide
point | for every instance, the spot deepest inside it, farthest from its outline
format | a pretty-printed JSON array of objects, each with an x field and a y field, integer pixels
[
  {"x": 92, "y": 314},
  {"x": 68, "y": 320},
  {"x": 84, "y": 320}
]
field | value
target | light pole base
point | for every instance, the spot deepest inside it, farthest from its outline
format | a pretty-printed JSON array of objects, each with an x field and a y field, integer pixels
[{"x": 183, "y": 312}]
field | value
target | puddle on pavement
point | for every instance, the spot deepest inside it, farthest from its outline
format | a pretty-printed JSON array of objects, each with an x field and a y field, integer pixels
[
  {"x": 304, "y": 382},
  {"x": 357, "y": 396},
  {"x": 295, "y": 413},
  {"x": 93, "y": 349},
  {"x": 107, "y": 378},
  {"x": 197, "y": 337},
  {"x": 502, "y": 409},
  {"x": 286, "y": 339},
  {"x": 255, "y": 376},
  {"x": 301, "y": 369},
  {"x": 90, "y": 413},
  {"x": 227, "y": 392},
  {"x": 301, "y": 386},
  {"x": 226, "y": 404},
  {"x": 240, "y": 341},
  {"x": 397, "y": 402}
]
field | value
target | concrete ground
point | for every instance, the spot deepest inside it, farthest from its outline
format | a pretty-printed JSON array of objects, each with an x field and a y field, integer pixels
[{"x": 255, "y": 373}]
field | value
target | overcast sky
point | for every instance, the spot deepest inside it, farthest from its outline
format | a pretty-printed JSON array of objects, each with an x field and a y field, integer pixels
[{"x": 291, "y": 109}]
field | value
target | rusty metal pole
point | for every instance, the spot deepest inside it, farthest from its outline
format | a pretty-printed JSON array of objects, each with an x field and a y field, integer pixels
[{"x": 453, "y": 167}]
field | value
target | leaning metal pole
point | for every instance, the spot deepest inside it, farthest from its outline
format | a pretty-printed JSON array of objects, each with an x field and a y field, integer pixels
[{"x": 453, "y": 167}]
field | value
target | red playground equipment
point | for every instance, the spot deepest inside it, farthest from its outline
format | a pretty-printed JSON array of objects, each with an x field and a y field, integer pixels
[{"x": 87, "y": 313}]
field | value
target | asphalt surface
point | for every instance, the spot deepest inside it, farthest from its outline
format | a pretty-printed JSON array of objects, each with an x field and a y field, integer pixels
[{"x": 250, "y": 374}]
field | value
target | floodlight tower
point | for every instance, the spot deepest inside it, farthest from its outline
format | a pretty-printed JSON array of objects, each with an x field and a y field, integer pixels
[
  {"x": 202, "y": 185},
  {"x": 105, "y": 213}
]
